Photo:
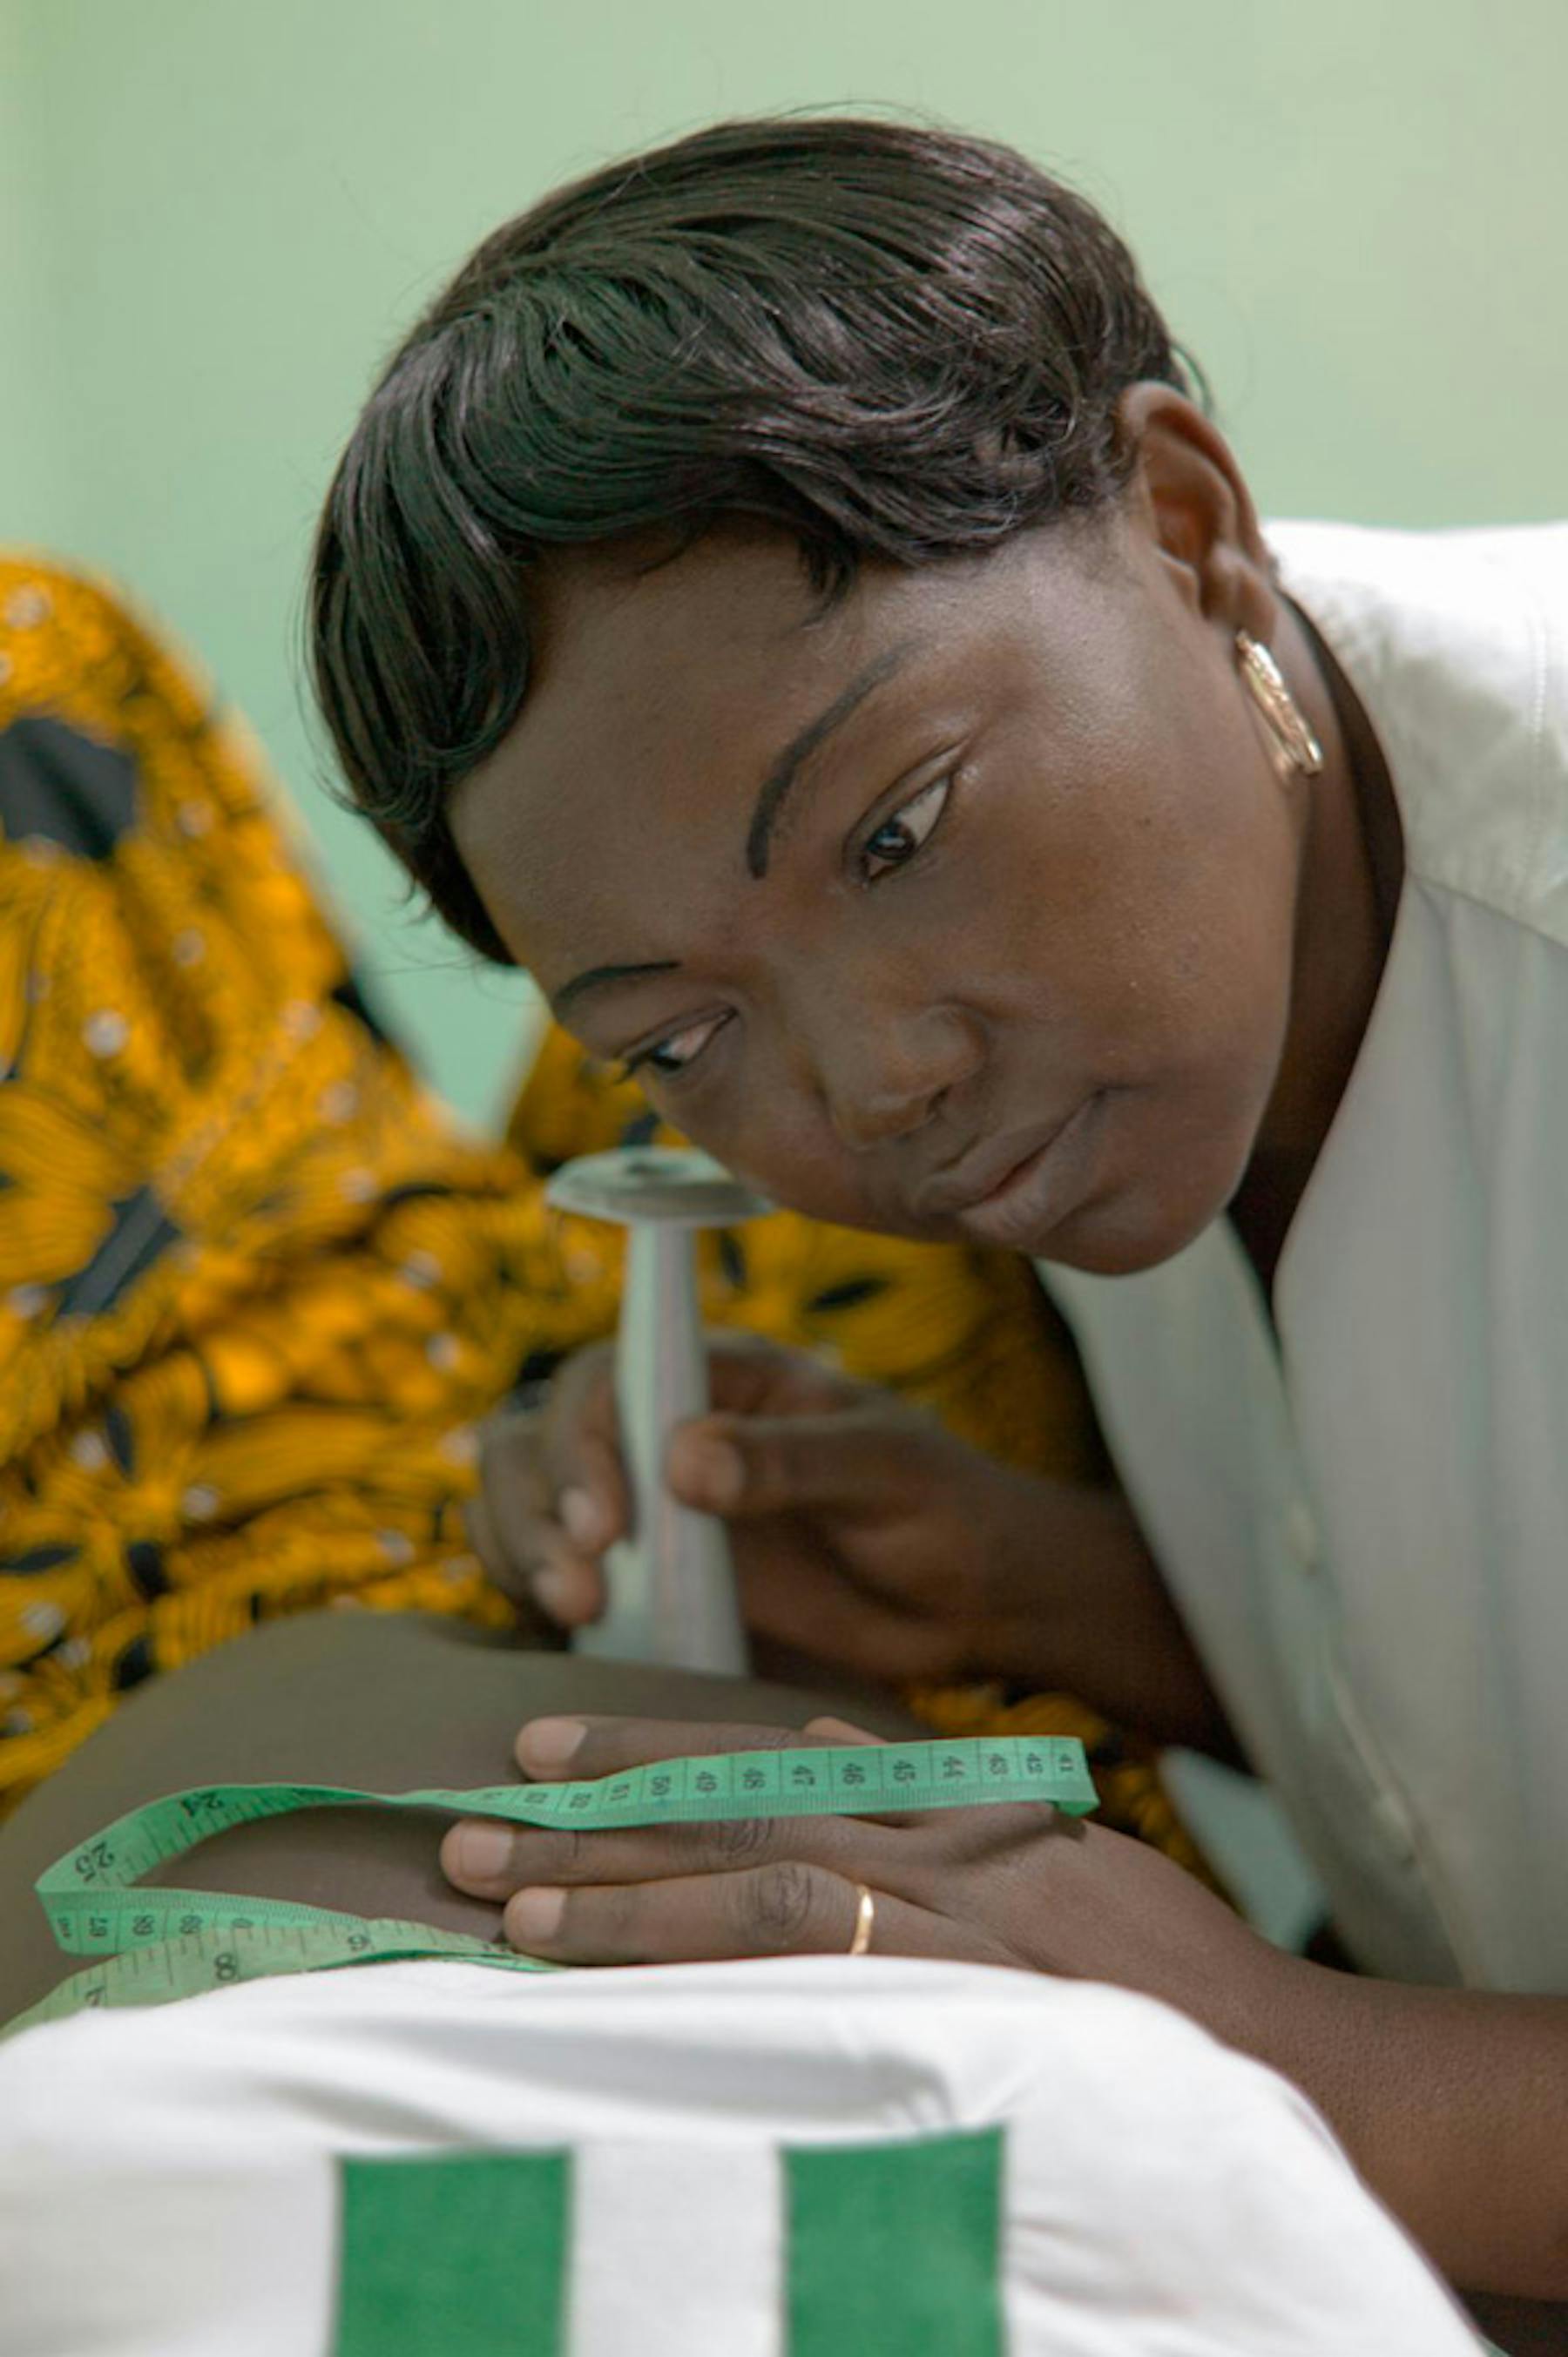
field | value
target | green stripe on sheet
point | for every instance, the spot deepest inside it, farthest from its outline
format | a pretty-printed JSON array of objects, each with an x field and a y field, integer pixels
[
  {"x": 896, "y": 2248},
  {"x": 454, "y": 2255}
]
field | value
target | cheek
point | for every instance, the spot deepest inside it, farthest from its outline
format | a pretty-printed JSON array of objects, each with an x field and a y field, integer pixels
[
  {"x": 777, "y": 1138},
  {"x": 1170, "y": 1160},
  {"x": 1177, "y": 925},
  {"x": 1203, "y": 1012}
]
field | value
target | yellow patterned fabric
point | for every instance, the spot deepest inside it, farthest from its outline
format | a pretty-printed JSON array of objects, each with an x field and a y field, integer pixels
[{"x": 256, "y": 1286}]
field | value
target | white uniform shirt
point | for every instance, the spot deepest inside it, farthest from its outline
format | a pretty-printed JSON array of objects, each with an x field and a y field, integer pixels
[{"x": 1366, "y": 1525}]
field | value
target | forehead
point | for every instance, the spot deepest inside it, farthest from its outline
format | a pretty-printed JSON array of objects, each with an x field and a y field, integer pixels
[
  {"x": 661, "y": 694},
  {"x": 655, "y": 684}
]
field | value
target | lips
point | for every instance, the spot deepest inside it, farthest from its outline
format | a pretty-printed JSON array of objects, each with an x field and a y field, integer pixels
[{"x": 983, "y": 1173}]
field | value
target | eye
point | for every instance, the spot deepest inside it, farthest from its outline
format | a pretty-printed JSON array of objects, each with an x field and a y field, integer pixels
[
  {"x": 896, "y": 841},
  {"x": 675, "y": 1054}
]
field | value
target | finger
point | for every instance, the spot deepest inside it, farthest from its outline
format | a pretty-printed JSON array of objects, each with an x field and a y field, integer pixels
[
  {"x": 550, "y": 1749},
  {"x": 825, "y": 1729},
  {"x": 580, "y": 1448},
  {"x": 514, "y": 1504},
  {"x": 524, "y": 1550},
  {"x": 972, "y": 1836},
  {"x": 536, "y": 1623},
  {"x": 589, "y": 1492},
  {"x": 492, "y": 1859},
  {"x": 508, "y": 1499},
  {"x": 565, "y": 1583},
  {"x": 750, "y": 1375},
  {"x": 843, "y": 1731},
  {"x": 903, "y": 1872},
  {"x": 958, "y": 1836},
  {"x": 515, "y": 1519},
  {"x": 479, "y": 1530},
  {"x": 785, "y": 1909},
  {"x": 856, "y": 1460}
]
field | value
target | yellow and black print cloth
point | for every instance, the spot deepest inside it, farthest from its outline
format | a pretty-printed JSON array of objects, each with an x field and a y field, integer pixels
[{"x": 256, "y": 1289}]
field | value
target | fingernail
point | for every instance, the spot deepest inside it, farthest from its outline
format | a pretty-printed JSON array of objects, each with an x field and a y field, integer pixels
[
  {"x": 550, "y": 1742},
  {"x": 717, "y": 1470},
  {"x": 534, "y": 1915},
  {"x": 556, "y": 1591},
  {"x": 484, "y": 1851},
  {"x": 584, "y": 1516}
]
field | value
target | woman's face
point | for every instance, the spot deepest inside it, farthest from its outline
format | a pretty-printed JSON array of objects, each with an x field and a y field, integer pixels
[{"x": 966, "y": 912}]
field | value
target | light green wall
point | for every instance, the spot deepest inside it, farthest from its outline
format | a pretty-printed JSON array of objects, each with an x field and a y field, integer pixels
[
  {"x": 32, "y": 503},
  {"x": 217, "y": 214}
]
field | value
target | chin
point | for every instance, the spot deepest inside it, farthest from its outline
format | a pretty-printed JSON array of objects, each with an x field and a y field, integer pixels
[{"x": 1121, "y": 1235}]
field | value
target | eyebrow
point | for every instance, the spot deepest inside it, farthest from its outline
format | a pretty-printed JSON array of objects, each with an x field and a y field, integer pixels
[
  {"x": 784, "y": 775},
  {"x": 598, "y": 976},
  {"x": 777, "y": 787}
]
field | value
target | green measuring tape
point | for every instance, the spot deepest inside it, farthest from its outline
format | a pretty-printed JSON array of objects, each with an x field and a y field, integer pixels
[{"x": 162, "y": 1944}]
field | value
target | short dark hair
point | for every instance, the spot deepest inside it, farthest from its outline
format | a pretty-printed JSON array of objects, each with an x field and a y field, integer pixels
[{"x": 893, "y": 341}]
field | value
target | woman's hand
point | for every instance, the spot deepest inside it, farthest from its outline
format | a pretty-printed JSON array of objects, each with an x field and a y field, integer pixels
[
  {"x": 1450, "y": 2102},
  {"x": 864, "y": 1535},
  {"x": 1017, "y": 1884},
  {"x": 868, "y": 1541}
]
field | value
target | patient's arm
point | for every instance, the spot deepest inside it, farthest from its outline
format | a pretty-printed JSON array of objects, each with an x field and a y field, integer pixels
[{"x": 379, "y": 1701}]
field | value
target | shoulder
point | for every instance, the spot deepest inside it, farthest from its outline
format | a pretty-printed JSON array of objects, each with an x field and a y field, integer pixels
[{"x": 1457, "y": 643}]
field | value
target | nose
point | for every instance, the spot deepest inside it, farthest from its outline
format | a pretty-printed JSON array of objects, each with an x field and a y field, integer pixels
[{"x": 883, "y": 1077}]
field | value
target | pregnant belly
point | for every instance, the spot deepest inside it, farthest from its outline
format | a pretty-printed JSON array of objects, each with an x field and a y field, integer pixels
[{"x": 383, "y": 1701}]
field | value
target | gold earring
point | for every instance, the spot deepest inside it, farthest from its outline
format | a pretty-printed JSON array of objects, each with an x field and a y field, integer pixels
[{"x": 1292, "y": 747}]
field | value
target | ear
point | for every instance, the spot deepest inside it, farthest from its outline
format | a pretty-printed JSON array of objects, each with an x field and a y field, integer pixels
[{"x": 1189, "y": 498}]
